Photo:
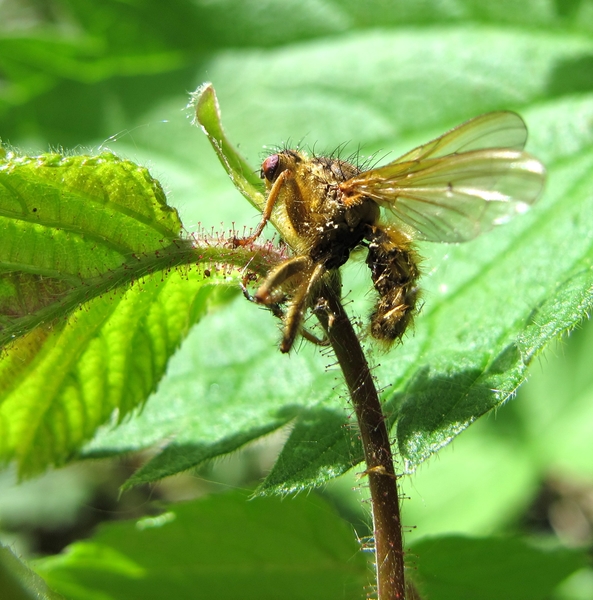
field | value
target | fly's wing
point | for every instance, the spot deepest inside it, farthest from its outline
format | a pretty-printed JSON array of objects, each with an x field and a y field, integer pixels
[
  {"x": 502, "y": 129},
  {"x": 461, "y": 184}
]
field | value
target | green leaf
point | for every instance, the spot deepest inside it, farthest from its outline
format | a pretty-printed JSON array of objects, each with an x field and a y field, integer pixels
[
  {"x": 453, "y": 567},
  {"x": 208, "y": 117},
  {"x": 489, "y": 306},
  {"x": 223, "y": 546},
  {"x": 225, "y": 389},
  {"x": 529, "y": 285},
  {"x": 105, "y": 43},
  {"x": 97, "y": 290},
  {"x": 73, "y": 222}
]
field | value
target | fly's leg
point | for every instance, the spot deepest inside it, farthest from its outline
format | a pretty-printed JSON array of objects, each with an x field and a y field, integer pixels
[
  {"x": 299, "y": 303},
  {"x": 279, "y": 313},
  {"x": 267, "y": 212},
  {"x": 273, "y": 289},
  {"x": 300, "y": 274},
  {"x": 311, "y": 337},
  {"x": 274, "y": 307},
  {"x": 394, "y": 271}
]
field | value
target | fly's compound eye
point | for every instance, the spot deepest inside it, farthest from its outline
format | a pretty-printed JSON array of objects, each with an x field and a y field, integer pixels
[{"x": 269, "y": 168}]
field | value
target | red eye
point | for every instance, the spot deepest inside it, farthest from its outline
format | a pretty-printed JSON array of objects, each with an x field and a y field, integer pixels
[{"x": 269, "y": 168}]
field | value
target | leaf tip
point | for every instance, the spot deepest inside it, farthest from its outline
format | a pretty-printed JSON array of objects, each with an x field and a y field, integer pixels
[{"x": 204, "y": 103}]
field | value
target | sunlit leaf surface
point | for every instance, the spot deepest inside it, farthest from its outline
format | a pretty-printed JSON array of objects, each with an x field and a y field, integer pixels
[{"x": 95, "y": 296}]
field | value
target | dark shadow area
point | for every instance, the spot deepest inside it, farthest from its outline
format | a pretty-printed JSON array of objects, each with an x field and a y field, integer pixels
[
  {"x": 571, "y": 77},
  {"x": 73, "y": 113},
  {"x": 178, "y": 457},
  {"x": 104, "y": 502},
  {"x": 567, "y": 8}
]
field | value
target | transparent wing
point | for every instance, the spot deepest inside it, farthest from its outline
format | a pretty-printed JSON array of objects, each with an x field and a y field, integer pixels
[
  {"x": 461, "y": 184},
  {"x": 502, "y": 129}
]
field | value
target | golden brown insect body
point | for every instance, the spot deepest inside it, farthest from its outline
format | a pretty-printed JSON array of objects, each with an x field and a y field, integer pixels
[
  {"x": 311, "y": 208},
  {"x": 470, "y": 179},
  {"x": 322, "y": 225}
]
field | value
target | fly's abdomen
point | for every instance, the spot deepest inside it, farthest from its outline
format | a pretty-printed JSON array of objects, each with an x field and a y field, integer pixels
[{"x": 394, "y": 271}]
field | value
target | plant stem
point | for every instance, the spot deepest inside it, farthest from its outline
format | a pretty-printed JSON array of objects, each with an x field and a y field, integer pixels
[{"x": 389, "y": 554}]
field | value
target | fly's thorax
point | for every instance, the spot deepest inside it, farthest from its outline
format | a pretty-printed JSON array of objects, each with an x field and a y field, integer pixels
[
  {"x": 313, "y": 199},
  {"x": 310, "y": 205},
  {"x": 310, "y": 193},
  {"x": 337, "y": 236}
]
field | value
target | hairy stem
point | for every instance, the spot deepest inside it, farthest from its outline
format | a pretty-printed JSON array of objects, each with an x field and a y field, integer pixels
[{"x": 387, "y": 527}]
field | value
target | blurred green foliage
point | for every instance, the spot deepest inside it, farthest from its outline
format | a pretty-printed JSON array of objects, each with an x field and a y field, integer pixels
[{"x": 387, "y": 74}]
